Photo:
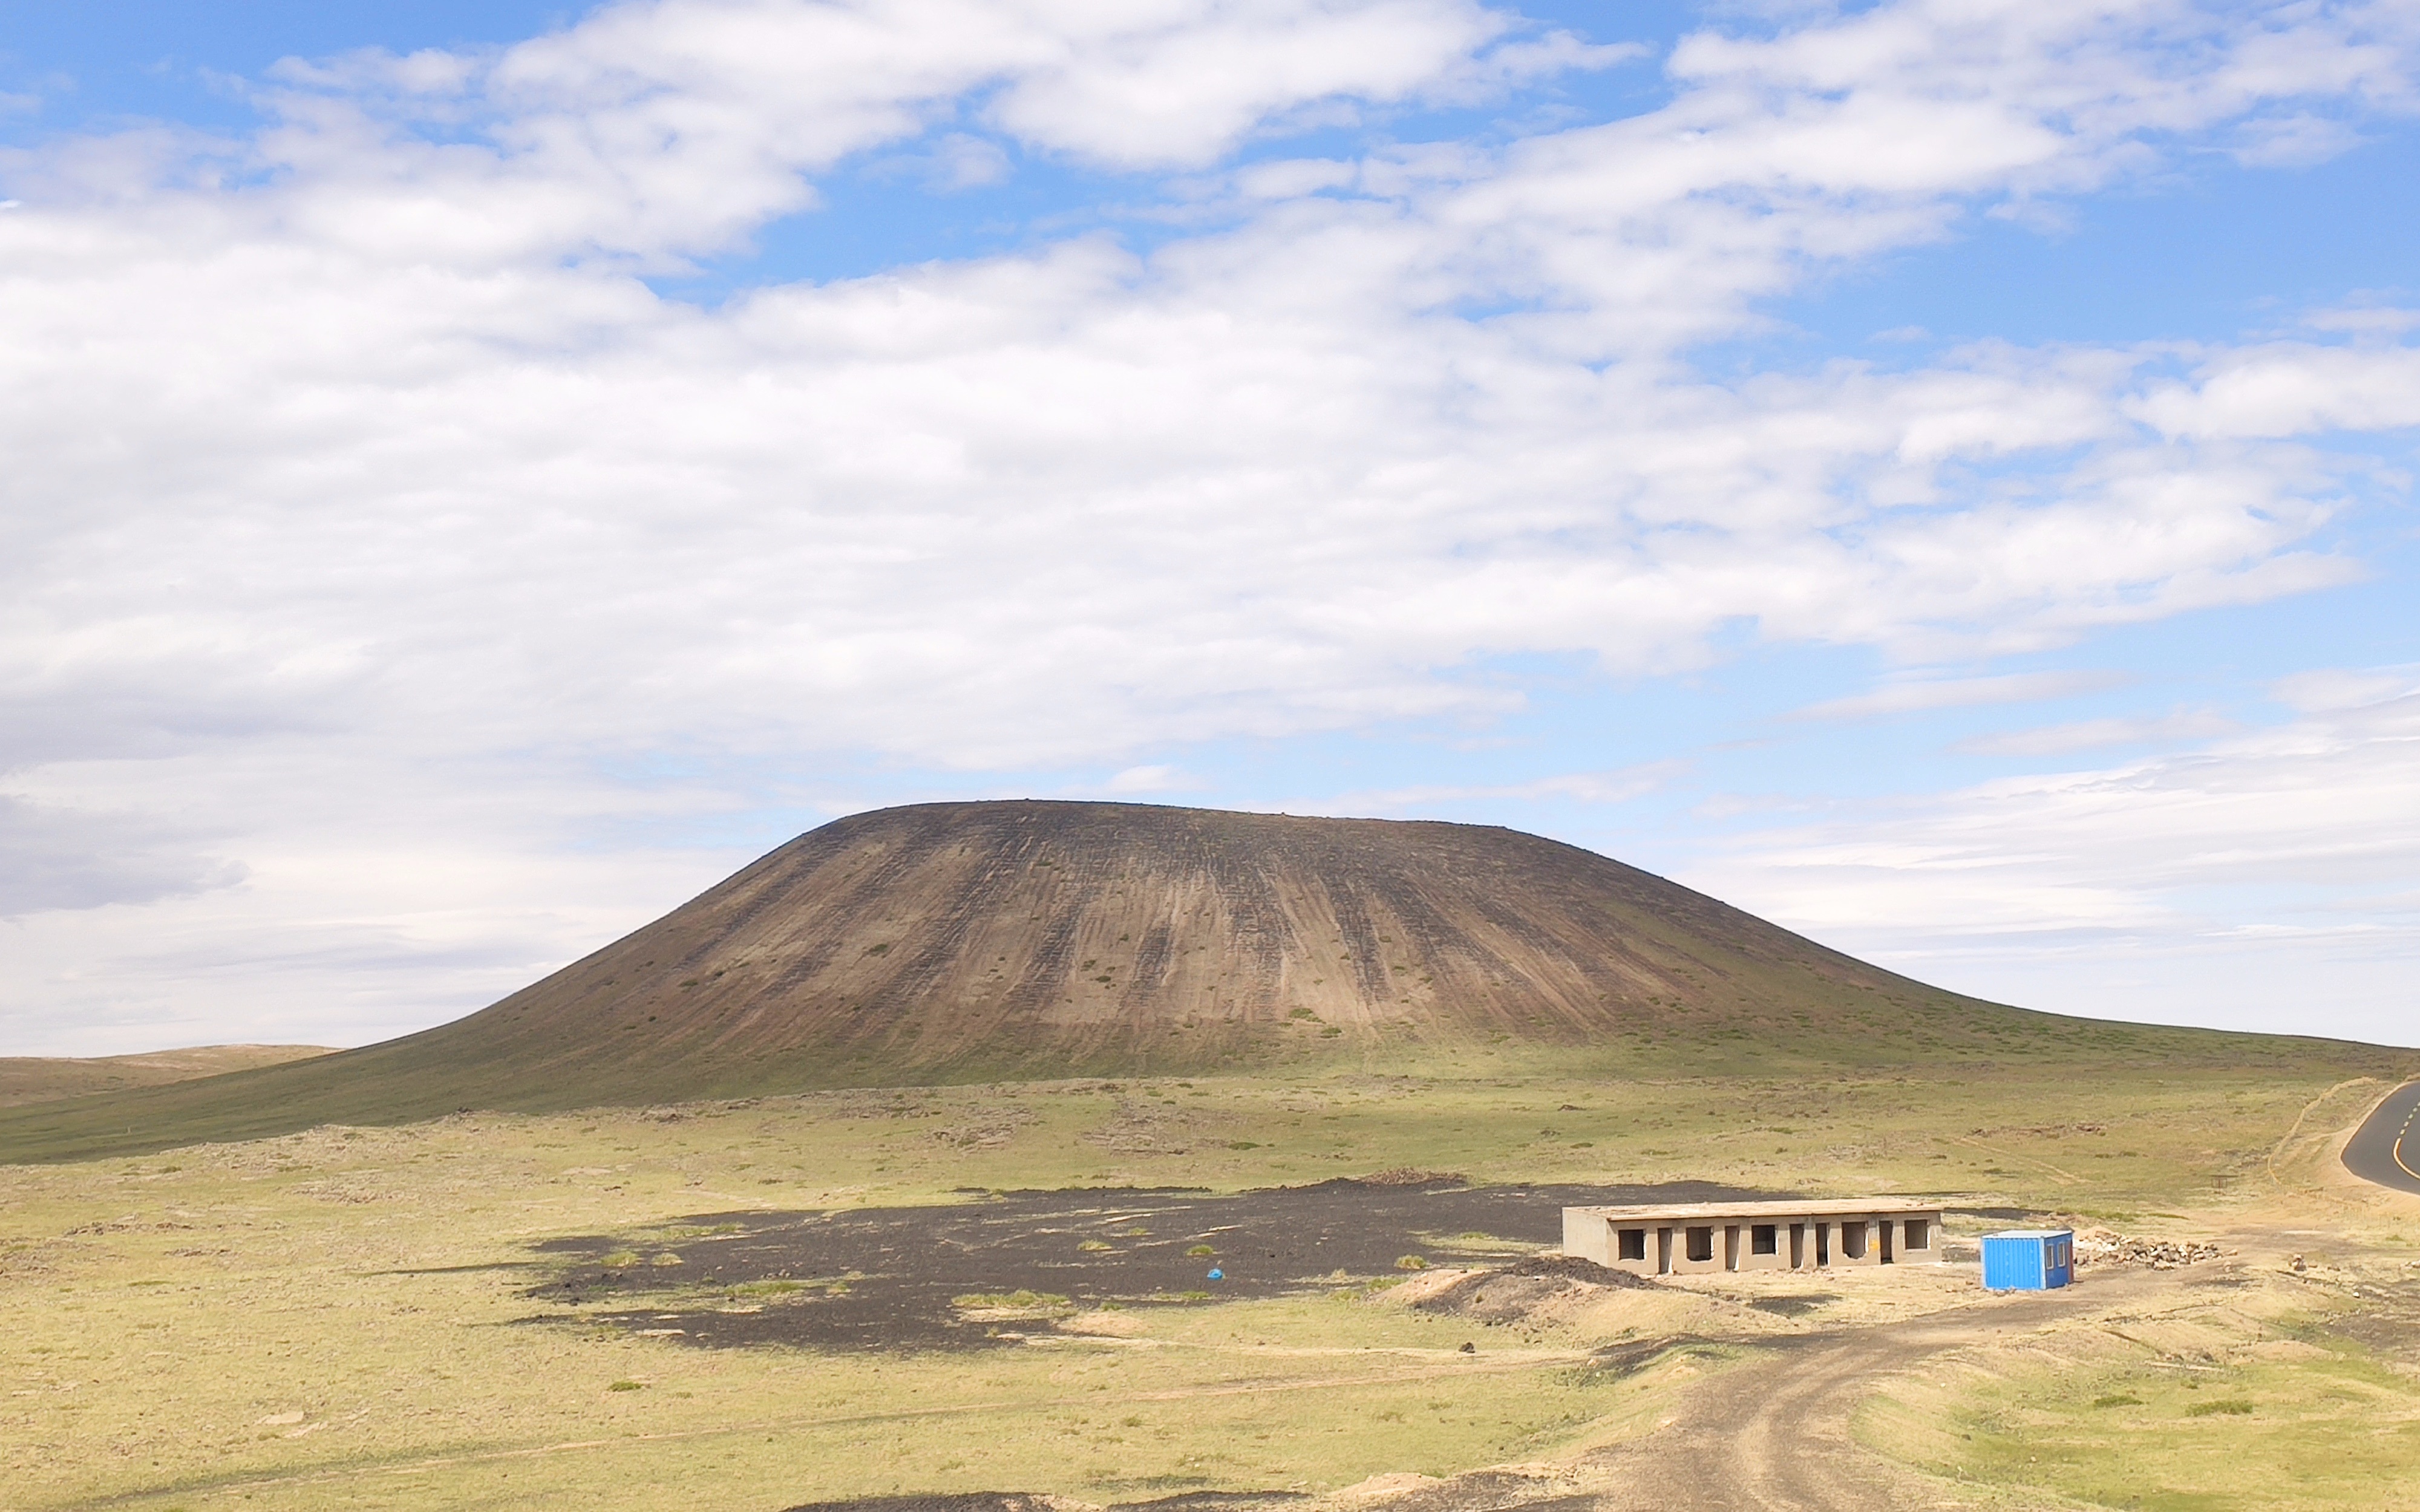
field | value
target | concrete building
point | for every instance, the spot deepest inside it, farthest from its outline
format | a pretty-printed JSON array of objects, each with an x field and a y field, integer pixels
[{"x": 1694, "y": 1238}]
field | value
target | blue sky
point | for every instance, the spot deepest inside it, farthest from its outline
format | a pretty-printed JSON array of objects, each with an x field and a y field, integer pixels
[{"x": 1936, "y": 475}]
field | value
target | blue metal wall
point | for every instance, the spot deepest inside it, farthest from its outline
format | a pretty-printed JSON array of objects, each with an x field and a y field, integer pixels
[{"x": 2028, "y": 1259}]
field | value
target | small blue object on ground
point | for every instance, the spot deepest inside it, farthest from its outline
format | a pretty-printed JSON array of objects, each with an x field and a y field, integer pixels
[
  {"x": 1217, "y": 1274},
  {"x": 2028, "y": 1259}
]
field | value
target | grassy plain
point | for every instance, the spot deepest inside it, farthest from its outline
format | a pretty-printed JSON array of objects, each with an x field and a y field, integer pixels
[
  {"x": 1901, "y": 1028},
  {"x": 45, "y": 1078},
  {"x": 2276, "y": 1411},
  {"x": 338, "y": 1318},
  {"x": 2292, "y": 1380}
]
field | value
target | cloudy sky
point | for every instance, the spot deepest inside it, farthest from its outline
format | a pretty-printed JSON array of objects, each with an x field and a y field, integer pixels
[{"x": 1936, "y": 472}]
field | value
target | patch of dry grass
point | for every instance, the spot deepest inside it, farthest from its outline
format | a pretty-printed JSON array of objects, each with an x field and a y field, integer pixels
[
  {"x": 2254, "y": 1399},
  {"x": 47, "y": 1078},
  {"x": 337, "y": 1316}
]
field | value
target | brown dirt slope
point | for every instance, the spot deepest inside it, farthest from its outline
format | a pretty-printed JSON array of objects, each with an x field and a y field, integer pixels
[
  {"x": 966, "y": 942},
  {"x": 44, "y": 1078}
]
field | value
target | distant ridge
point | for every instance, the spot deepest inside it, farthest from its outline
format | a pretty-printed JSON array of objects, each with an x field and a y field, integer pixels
[
  {"x": 960, "y": 942},
  {"x": 43, "y": 1078}
]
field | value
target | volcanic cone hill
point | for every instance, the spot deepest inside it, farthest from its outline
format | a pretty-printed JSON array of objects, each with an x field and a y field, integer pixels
[{"x": 966, "y": 942}]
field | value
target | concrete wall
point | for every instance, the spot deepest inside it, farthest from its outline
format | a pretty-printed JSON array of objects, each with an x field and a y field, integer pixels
[
  {"x": 1708, "y": 1244},
  {"x": 1587, "y": 1236}
]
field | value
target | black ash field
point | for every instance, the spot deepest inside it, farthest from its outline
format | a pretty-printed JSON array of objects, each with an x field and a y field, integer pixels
[{"x": 988, "y": 1268}]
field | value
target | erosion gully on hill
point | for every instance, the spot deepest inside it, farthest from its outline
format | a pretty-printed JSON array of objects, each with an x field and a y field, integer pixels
[
  {"x": 891, "y": 1279},
  {"x": 967, "y": 943}
]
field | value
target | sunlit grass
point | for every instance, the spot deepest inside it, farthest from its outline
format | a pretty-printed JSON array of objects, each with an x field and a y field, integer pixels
[
  {"x": 2253, "y": 1422},
  {"x": 340, "y": 1317}
]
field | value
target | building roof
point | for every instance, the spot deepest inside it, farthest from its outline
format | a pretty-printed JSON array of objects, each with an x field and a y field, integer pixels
[
  {"x": 1829, "y": 1207},
  {"x": 2033, "y": 1233}
]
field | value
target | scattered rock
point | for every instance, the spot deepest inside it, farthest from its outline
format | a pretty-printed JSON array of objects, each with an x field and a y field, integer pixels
[
  {"x": 994, "y": 1126},
  {"x": 1140, "y": 1128},
  {"x": 1394, "y": 1483},
  {"x": 961, "y": 1502},
  {"x": 2102, "y": 1246},
  {"x": 1212, "y": 1502},
  {"x": 1503, "y": 1489}
]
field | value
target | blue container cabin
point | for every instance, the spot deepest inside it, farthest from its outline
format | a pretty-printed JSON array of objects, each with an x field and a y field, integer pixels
[{"x": 2028, "y": 1259}]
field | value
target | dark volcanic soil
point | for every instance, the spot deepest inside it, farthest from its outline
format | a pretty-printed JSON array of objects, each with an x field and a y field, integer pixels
[{"x": 891, "y": 1278}]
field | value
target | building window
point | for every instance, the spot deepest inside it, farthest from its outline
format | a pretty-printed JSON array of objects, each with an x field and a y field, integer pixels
[
  {"x": 1852, "y": 1241},
  {"x": 1630, "y": 1244},
  {"x": 1919, "y": 1234},
  {"x": 1701, "y": 1243},
  {"x": 1764, "y": 1238}
]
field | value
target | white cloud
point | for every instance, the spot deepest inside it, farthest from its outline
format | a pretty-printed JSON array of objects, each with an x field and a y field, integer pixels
[
  {"x": 668, "y": 129},
  {"x": 2364, "y": 319},
  {"x": 62, "y": 859},
  {"x": 354, "y": 451},
  {"x": 361, "y": 908},
  {"x": 1917, "y": 694},
  {"x": 2329, "y": 689},
  {"x": 2289, "y": 389},
  {"x": 2261, "y": 880},
  {"x": 1155, "y": 778},
  {"x": 1181, "y": 92},
  {"x": 2092, "y": 734},
  {"x": 1619, "y": 785},
  {"x": 963, "y": 162},
  {"x": 2293, "y": 141}
]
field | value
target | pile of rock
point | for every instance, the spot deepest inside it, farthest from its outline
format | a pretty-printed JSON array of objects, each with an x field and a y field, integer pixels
[
  {"x": 1412, "y": 1176},
  {"x": 2103, "y": 1246}
]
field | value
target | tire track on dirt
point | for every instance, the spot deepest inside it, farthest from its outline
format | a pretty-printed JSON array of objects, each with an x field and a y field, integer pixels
[
  {"x": 2277, "y": 1180},
  {"x": 1771, "y": 1434}
]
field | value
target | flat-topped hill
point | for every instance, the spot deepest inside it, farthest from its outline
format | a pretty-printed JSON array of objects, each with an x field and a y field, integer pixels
[
  {"x": 963, "y": 942},
  {"x": 983, "y": 940}
]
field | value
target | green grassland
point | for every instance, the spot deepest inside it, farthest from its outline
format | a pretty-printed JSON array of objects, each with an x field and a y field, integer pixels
[
  {"x": 338, "y": 1317},
  {"x": 44, "y": 1079},
  {"x": 1865, "y": 1040},
  {"x": 2261, "y": 1402}
]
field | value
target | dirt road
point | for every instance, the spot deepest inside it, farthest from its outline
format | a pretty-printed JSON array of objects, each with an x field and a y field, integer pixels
[
  {"x": 1772, "y": 1433},
  {"x": 1769, "y": 1434}
]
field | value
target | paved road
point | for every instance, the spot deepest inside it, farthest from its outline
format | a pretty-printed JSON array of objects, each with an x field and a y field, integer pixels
[{"x": 2387, "y": 1148}]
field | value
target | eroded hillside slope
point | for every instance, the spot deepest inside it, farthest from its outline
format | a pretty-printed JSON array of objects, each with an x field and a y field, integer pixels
[{"x": 1031, "y": 940}]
